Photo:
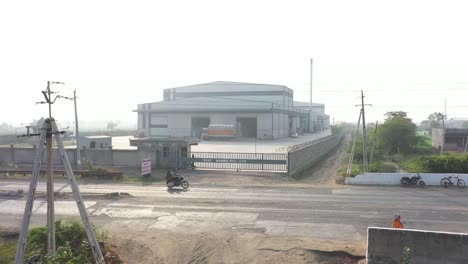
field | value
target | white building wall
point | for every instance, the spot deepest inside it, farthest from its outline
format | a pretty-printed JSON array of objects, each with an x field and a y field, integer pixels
[
  {"x": 179, "y": 125},
  {"x": 264, "y": 126},
  {"x": 279, "y": 127},
  {"x": 224, "y": 119},
  {"x": 159, "y": 120},
  {"x": 296, "y": 124},
  {"x": 285, "y": 125}
]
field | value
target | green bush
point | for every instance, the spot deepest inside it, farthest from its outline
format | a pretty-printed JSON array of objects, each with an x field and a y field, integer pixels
[
  {"x": 450, "y": 163},
  {"x": 71, "y": 242}
]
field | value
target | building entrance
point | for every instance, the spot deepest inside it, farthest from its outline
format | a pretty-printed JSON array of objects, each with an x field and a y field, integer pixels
[
  {"x": 198, "y": 123},
  {"x": 247, "y": 126}
]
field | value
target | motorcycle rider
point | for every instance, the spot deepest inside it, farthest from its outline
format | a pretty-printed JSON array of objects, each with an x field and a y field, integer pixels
[
  {"x": 170, "y": 176},
  {"x": 396, "y": 221}
]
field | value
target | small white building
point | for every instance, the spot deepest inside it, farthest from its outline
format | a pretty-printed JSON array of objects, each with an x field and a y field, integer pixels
[{"x": 95, "y": 142}]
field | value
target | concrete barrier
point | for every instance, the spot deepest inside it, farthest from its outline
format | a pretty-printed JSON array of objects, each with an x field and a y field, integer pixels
[
  {"x": 394, "y": 178},
  {"x": 306, "y": 155},
  {"x": 387, "y": 245}
]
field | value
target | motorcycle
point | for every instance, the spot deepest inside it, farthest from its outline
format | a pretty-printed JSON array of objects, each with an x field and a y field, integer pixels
[
  {"x": 414, "y": 180},
  {"x": 178, "y": 181}
]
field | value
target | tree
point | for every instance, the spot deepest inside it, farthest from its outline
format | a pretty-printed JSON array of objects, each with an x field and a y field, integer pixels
[
  {"x": 112, "y": 125},
  {"x": 433, "y": 121},
  {"x": 397, "y": 135},
  {"x": 395, "y": 114}
]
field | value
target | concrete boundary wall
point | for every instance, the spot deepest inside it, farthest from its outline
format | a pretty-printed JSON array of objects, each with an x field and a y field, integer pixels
[
  {"x": 299, "y": 158},
  {"x": 102, "y": 157},
  {"x": 386, "y": 245},
  {"x": 307, "y": 156},
  {"x": 394, "y": 178}
]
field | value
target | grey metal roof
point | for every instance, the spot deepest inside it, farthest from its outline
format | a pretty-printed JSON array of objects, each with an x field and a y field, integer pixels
[
  {"x": 305, "y": 104},
  {"x": 217, "y": 104},
  {"x": 211, "y": 102},
  {"x": 231, "y": 86}
]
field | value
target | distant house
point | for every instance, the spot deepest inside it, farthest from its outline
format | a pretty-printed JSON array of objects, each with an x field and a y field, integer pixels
[
  {"x": 96, "y": 142},
  {"x": 454, "y": 139}
]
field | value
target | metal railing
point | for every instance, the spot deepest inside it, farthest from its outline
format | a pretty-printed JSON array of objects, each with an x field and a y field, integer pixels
[{"x": 235, "y": 161}]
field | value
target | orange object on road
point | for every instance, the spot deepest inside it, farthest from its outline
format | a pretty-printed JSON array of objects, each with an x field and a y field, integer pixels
[{"x": 396, "y": 222}]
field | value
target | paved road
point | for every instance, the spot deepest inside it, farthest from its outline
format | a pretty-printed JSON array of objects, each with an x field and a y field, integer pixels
[{"x": 341, "y": 213}]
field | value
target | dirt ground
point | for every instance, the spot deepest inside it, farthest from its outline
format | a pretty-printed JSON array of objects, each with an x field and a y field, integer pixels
[{"x": 225, "y": 247}]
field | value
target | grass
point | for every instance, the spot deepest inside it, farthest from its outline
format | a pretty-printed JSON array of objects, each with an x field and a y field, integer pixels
[
  {"x": 7, "y": 250},
  {"x": 72, "y": 244}
]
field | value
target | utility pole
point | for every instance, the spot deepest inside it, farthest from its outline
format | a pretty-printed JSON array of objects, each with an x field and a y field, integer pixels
[
  {"x": 443, "y": 136},
  {"x": 50, "y": 184},
  {"x": 443, "y": 128},
  {"x": 311, "y": 126},
  {"x": 48, "y": 130},
  {"x": 466, "y": 145},
  {"x": 373, "y": 143},
  {"x": 77, "y": 133},
  {"x": 351, "y": 156},
  {"x": 364, "y": 136}
]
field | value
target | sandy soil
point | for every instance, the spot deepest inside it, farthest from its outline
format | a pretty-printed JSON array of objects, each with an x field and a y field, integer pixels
[{"x": 225, "y": 247}]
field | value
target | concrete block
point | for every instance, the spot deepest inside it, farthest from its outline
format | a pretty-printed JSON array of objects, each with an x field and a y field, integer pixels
[{"x": 386, "y": 245}]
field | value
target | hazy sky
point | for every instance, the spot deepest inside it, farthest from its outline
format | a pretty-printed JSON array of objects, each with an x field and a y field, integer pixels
[{"x": 405, "y": 55}]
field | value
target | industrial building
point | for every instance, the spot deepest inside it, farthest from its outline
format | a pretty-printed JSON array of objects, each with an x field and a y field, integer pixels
[{"x": 263, "y": 111}]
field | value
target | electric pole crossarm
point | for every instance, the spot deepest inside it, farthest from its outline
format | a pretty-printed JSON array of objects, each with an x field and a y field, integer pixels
[
  {"x": 30, "y": 200},
  {"x": 79, "y": 200}
]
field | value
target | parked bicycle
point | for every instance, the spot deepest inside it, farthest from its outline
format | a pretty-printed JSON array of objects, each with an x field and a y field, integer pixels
[{"x": 446, "y": 182}]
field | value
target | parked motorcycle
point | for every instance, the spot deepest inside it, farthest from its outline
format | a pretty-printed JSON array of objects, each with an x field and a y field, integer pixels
[
  {"x": 414, "y": 180},
  {"x": 178, "y": 181}
]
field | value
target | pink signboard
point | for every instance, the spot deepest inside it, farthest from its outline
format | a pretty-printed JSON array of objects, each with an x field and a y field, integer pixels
[{"x": 146, "y": 167}]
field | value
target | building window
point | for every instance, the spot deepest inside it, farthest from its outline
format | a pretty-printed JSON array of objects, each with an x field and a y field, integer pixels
[
  {"x": 165, "y": 152},
  {"x": 92, "y": 144}
]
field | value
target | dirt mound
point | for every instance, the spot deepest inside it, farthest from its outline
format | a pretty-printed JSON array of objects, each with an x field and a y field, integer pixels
[{"x": 222, "y": 247}]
